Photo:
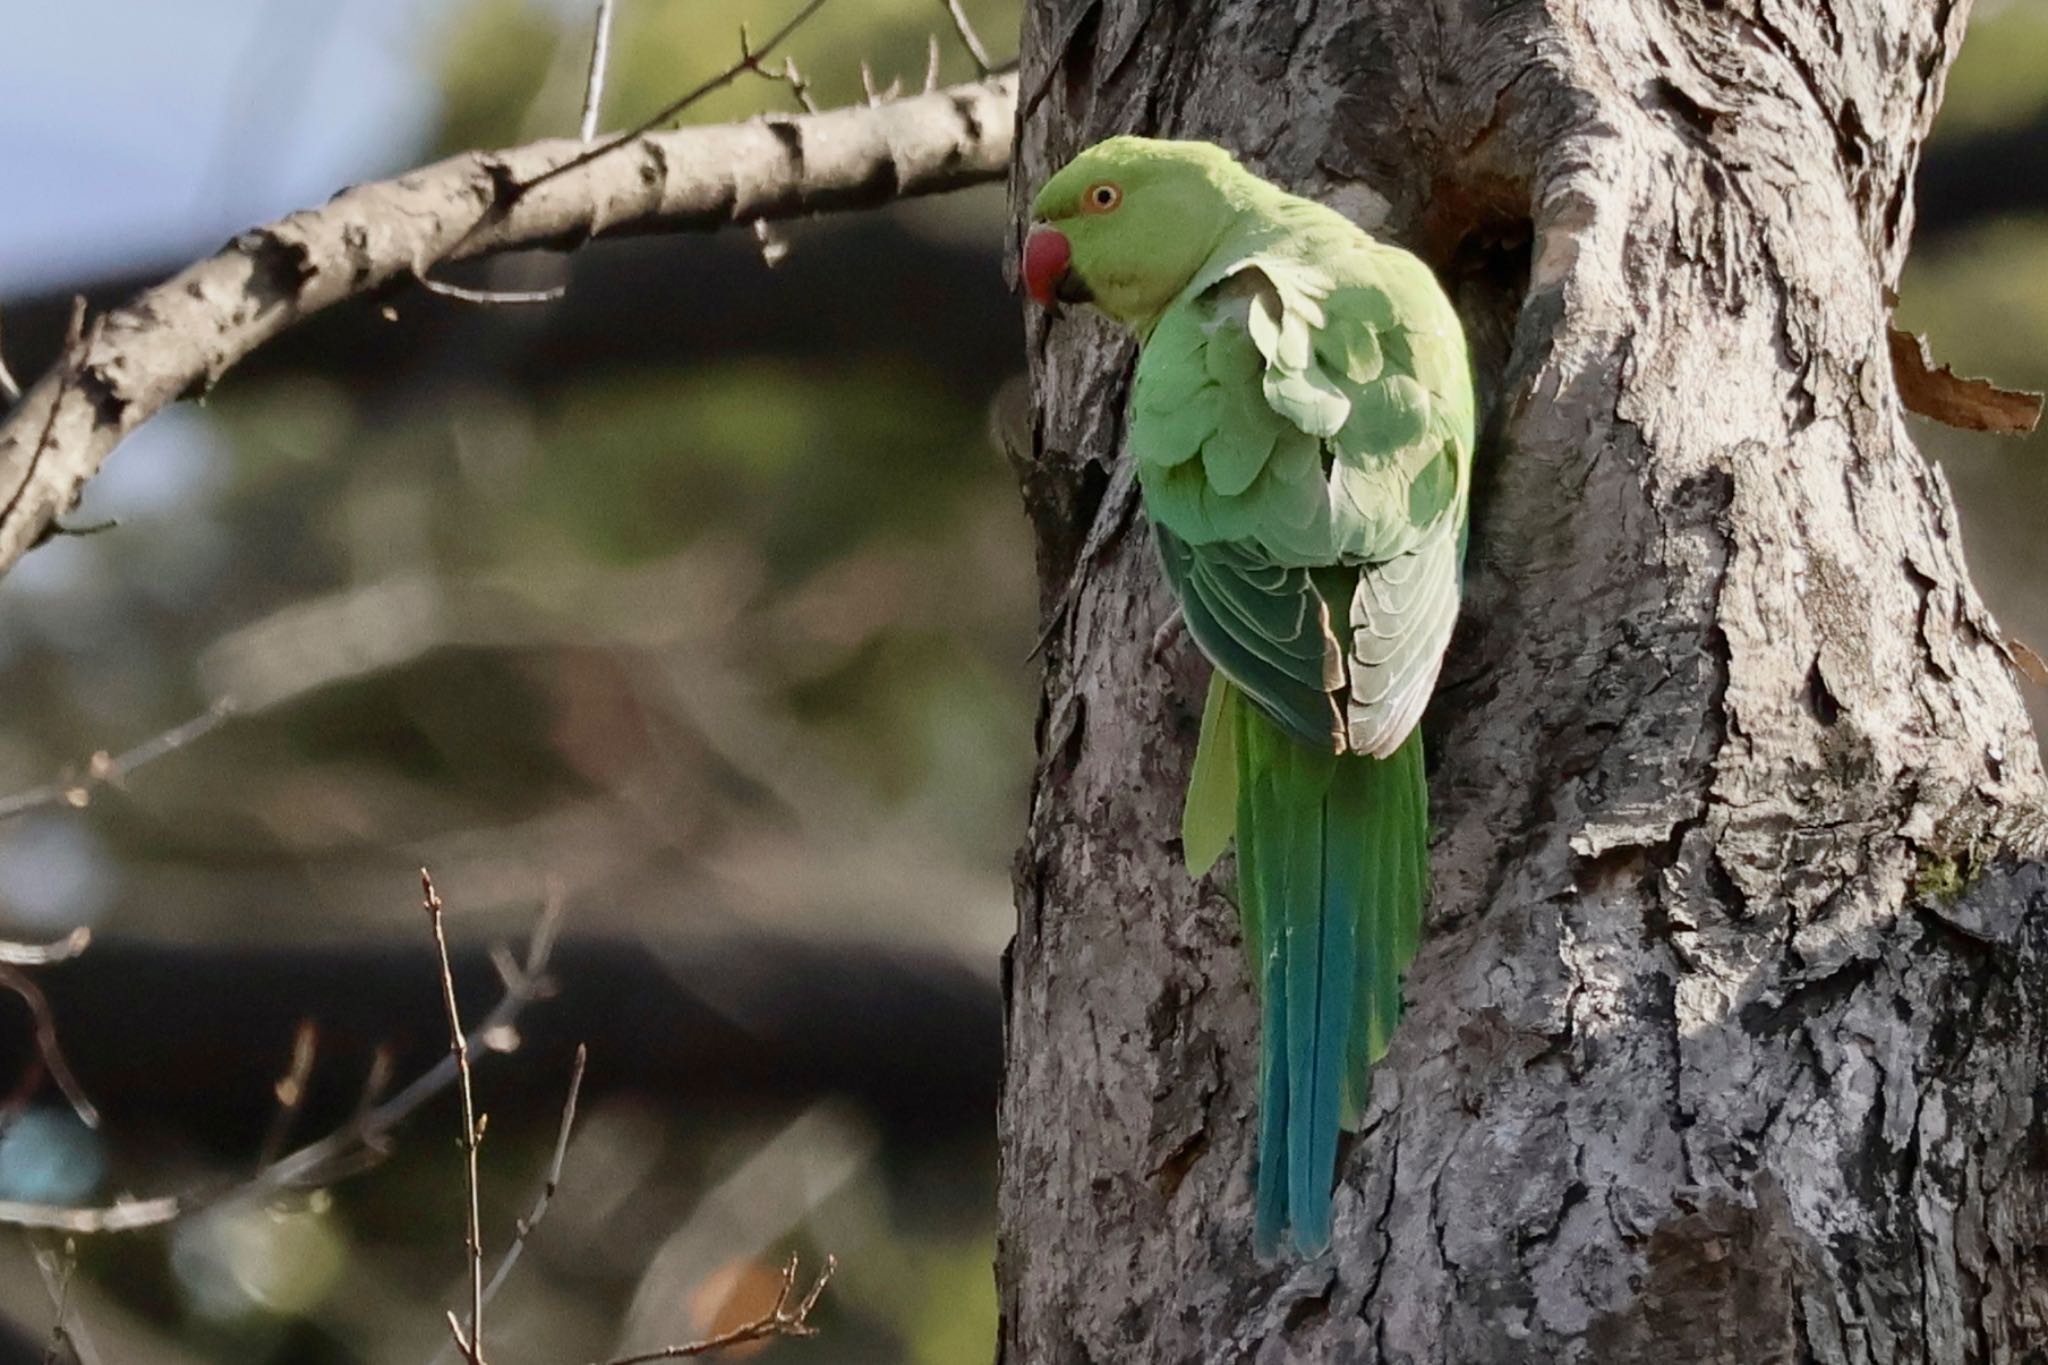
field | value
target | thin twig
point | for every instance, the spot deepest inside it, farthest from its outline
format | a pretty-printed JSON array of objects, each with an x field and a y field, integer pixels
[
  {"x": 375, "y": 1082},
  {"x": 798, "y": 86},
  {"x": 9, "y": 388},
  {"x": 103, "y": 769},
  {"x": 749, "y": 63},
  {"x": 63, "y": 1332},
  {"x": 15, "y": 980},
  {"x": 600, "y": 57},
  {"x": 539, "y": 1210},
  {"x": 493, "y": 298},
  {"x": 472, "y": 1346},
  {"x": 749, "y": 60},
  {"x": 342, "y": 1152},
  {"x": 969, "y": 39},
  {"x": 586, "y": 129},
  {"x": 786, "y": 1319},
  {"x": 291, "y": 1091}
]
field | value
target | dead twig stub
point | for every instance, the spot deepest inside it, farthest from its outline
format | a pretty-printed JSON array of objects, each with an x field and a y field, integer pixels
[
  {"x": 790, "y": 1317},
  {"x": 1938, "y": 392},
  {"x": 291, "y": 1091}
]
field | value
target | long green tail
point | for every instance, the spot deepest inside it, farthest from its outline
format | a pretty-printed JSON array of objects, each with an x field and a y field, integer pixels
[{"x": 1332, "y": 869}]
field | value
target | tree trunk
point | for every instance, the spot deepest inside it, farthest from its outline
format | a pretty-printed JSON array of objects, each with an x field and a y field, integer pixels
[{"x": 1723, "y": 1042}]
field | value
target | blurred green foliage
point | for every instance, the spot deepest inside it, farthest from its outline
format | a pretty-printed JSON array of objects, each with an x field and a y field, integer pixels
[
  {"x": 1981, "y": 298},
  {"x": 2001, "y": 77}
]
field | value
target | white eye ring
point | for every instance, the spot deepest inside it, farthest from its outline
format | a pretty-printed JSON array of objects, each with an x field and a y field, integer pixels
[{"x": 1101, "y": 197}]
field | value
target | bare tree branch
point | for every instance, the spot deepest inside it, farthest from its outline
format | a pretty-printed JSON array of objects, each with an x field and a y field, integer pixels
[
  {"x": 358, "y": 1144},
  {"x": 180, "y": 338}
]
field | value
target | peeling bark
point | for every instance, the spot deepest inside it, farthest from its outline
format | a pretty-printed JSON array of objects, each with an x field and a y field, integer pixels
[{"x": 1697, "y": 1064}]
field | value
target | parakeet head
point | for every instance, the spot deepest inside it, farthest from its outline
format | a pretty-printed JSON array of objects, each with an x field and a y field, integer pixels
[{"x": 1127, "y": 223}]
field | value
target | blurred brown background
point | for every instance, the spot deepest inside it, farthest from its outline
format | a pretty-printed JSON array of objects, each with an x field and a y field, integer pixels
[{"x": 699, "y": 600}]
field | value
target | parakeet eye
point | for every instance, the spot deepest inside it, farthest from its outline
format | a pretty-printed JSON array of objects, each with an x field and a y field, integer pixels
[{"x": 1101, "y": 197}]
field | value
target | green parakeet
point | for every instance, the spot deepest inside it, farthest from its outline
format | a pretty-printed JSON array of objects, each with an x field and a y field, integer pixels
[{"x": 1302, "y": 422}]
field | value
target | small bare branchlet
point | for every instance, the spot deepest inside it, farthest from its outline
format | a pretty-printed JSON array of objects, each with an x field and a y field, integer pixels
[
  {"x": 104, "y": 769},
  {"x": 969, "y": 39},
  {"x": 68, "y": 1338},
  {"x": 489, "y": 298},
  {"x": 878, "y": 95},
  {"x": 524, "y": 1228},
  {"x": 69, "y": 368},
  {"x": 750, "y": 61},
  {"x": 593, "y": 84},
  {"x": 471, "y": 1344},
  {"x": 74, "y": 792},
  {"x": 790, "y": 1317},
  {"x": 355, "y": 1147},
  {"x": 799, "y": 88}
]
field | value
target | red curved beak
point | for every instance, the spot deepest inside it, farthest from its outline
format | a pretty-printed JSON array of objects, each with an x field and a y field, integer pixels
[{"x": 1047, "y": 257}]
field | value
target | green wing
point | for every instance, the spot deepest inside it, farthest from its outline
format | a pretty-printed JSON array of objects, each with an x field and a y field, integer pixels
[{"x": 1303, "y": 435}]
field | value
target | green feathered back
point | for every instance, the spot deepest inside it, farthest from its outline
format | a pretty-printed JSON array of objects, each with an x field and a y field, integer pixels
[{"x": 1302, "y": 421}]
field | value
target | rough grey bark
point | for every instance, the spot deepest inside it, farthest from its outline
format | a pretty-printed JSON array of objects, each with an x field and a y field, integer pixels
[{"x": 1702, "y": 1061}]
